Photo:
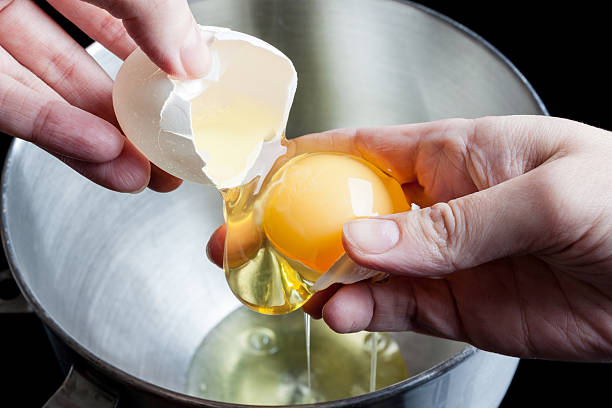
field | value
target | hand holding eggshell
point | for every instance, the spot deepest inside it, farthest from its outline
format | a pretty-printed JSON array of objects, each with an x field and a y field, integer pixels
[{"x": 55, "y": 95}]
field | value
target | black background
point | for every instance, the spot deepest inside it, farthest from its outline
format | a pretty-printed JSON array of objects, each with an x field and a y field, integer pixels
[{"x": 563, "y": 49}]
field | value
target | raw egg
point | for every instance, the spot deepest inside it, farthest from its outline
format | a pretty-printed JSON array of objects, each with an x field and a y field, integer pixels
[
  {"x": 295, "y": 233},
  {"x": 284, "y": 214}
]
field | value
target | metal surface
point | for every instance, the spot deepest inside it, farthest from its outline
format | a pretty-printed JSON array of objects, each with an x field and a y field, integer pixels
[
  {"x": 78, "y": 392},
  {"x": 123, "y": 280}
]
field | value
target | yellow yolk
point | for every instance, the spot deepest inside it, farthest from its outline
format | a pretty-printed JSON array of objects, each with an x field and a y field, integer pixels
[{"x": 313, "y": 195}]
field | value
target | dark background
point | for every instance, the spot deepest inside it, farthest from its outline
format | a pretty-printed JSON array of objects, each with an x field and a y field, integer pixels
[{"x": 562, "y": 49}]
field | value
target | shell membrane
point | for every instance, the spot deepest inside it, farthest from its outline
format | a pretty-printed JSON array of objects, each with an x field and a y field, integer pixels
[{"x": 157, "y": 114}]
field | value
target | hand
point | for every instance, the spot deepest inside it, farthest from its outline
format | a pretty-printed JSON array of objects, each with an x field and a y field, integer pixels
[
  {"x": 513, "y": 252},
  {"x": 55, "y": 95}
]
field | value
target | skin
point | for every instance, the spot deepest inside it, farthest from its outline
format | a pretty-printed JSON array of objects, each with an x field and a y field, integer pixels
[
  {"x": 511, "y": 251},
  {"x": 53, "y": 94}
]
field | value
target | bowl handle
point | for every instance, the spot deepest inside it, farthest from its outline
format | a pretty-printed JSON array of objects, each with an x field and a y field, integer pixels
[
  {"x": 79, "y": 391},
  {"x": 11, "y": 299}
]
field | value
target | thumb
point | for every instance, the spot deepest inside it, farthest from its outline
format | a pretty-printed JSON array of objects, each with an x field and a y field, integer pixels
[
  {"x": 509, "y": 218},
  {"x": 166, "y": 31}
]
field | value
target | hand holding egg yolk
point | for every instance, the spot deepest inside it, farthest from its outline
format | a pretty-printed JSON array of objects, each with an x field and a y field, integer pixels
[
  {"x": 313, "y": 195},
  {"x": 281, "y": 240},
  {"x": 284, "y": 227}
]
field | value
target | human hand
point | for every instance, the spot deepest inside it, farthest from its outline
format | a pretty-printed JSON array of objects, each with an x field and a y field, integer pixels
[
  {"x": 512, "y": 251},
  {"x": 53, "y": 94}
]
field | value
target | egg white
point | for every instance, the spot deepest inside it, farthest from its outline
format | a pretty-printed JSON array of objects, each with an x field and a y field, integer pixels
[{"x": 154, "y": 111}]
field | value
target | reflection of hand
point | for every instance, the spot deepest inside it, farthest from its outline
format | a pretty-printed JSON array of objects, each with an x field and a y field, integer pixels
[
  {"x": 520, "y": 239},
  {"x": 53, "y": 93}
]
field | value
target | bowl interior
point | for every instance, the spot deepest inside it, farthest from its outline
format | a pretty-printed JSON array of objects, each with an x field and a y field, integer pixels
[{"x": 126, "y": 276}]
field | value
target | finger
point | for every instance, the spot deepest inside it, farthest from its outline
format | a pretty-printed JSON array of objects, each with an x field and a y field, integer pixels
[
  {"x": 13, "y": 69},
  {"x": 490, "y": 307},
  {"x": 480, "y": 153},
  {"x": 421, "y": 305},
  {"x": 163, "y": 182},
  {"x": 245, "y": 240},
  {"x": 416, "y": 194},
  {"x": 371, "y": 144},
  {"x": 166, "y": 31},
  {"x": 33, "y": 111},
  {"x": 216, "y": 243},
  {"x": 518, "y": 216},
  {"x": 397, "y": 150},
  {"x": 314, "y": 306},
  {"x": 98, "y": 24},
  {"x": 55, "y": 125},
  {"x": 128, "y": 173},
  {"x": 350, "y": 309},
  {"x": 40, "y": 45}
]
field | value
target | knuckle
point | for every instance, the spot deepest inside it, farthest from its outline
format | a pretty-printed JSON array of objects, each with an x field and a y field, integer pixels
[
  {"x": 61, "y": 69},
  {"x": 456, "y": 131},
  {"x": 439, "y": 228},
  {"x": 459, "y": 123},
  {"x": 41, "y": 125},
  {"x": 114, "y": 29},
  {"x": 7, "y": 90},
  {"x": 7, "y": 65},
  {"x": 450, "y": 140},
  {"x": 566, "y": 220}
]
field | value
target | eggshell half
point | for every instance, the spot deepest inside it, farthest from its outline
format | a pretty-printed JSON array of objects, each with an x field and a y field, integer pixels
[{"x": 155, "y": 110}]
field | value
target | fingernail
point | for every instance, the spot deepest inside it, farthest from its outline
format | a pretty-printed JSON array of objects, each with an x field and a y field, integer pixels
[
  {"x": 195, "y": 54},
  {"x": 208, "y": 253},
  {"x": 372, "y": 235},
  {"x": 140, "y": 190}
]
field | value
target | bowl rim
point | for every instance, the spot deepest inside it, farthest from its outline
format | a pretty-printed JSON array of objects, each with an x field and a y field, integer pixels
[{"x": 123, "y": 377}]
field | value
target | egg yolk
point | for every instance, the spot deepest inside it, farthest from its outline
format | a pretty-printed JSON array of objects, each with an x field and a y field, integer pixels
[{"x": 310, "y": 198}]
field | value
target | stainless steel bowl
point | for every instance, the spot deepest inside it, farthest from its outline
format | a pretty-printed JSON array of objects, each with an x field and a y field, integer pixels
[{"x": 122, "y": 280}]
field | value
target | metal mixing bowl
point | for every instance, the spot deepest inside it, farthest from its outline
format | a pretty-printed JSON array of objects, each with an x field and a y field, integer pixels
[{"x": 122, "y": 280}]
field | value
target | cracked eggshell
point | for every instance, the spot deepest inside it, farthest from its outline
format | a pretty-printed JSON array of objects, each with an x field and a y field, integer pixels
[
  {"x": 155, "y": 111},
  {"x": 346, "y": 271}
]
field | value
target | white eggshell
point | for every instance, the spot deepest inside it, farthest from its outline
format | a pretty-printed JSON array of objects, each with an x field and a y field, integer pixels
[
  {"x": 154, "y": 110},
  {"x": 345, "y": 271}
]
